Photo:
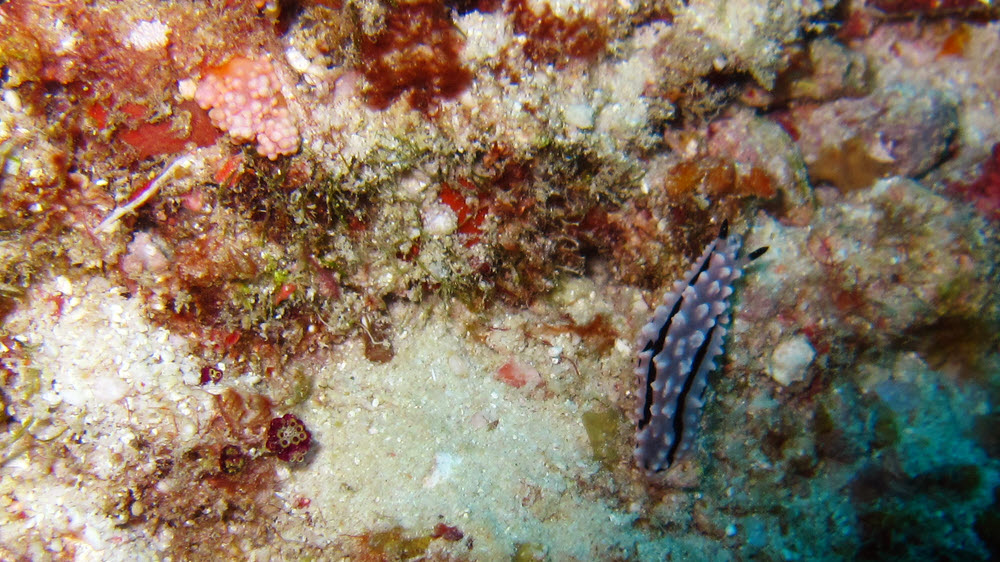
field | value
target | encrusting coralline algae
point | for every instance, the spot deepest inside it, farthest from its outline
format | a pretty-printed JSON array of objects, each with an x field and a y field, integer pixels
[{"x": 284, "y": 280}]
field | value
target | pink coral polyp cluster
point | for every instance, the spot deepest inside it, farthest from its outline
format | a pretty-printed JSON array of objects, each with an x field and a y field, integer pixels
[
  {"x": 243, "y": 97},
  {"x": 288, "y": 438}
]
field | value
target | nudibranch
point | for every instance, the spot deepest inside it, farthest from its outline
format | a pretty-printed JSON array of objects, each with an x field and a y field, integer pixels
[{"x": 678, "y": 348}]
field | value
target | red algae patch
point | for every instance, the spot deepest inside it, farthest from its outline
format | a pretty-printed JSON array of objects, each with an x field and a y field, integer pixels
[
  {"x": 154, "y": 138},
  {"x": 553, "y": 39},
  {"x": 416, "y": 55},
  {"x": 932, "y": 8},
  {"x": 518, "y": 375}
]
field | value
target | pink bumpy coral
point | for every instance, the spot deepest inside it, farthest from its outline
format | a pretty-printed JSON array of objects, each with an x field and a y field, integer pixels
[{"x": 244, "y": 98}]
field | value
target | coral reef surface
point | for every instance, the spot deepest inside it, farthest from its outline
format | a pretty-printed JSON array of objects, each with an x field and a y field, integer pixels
[{"x": 360, "y": 279}]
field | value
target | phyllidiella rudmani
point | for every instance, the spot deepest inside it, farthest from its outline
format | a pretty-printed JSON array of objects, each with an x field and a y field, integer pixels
[{"x": 678, "y": 349}]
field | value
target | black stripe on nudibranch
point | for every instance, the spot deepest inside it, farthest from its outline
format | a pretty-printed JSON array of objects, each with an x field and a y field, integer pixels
[
  {"x": 656, "y": 347},
  {"x": 683, "y": 397},
  {"x": 677, "y": 351},
  {"x": 704, "y": 263}
]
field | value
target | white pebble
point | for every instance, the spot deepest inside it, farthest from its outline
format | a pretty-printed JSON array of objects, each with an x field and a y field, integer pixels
[
  {"x": 439, "y": 220},
  {"x": 790, "y": 360},
  {"x": 579, "y": 115},
  {"x": 147, "y": 35},
  {"x": 63, "y": 285},
  {"x": 297, "y": 60}
]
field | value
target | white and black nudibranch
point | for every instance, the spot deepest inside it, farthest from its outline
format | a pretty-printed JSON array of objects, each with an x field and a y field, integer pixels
[{"x": 678, "y": 349}]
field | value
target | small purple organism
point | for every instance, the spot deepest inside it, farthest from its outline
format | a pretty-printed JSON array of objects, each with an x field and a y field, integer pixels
[
  {"x": 288, "y": 437},
  {"x": 210, "y": 374}
]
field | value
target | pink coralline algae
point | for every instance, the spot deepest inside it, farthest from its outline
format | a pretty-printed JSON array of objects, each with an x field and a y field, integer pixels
[
  {"x": 288, "y": 438},
  {"x": 984, "y": 191},
  {"x": 244, "y": 99}
]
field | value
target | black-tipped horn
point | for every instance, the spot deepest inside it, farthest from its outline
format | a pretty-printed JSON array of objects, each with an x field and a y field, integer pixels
[
  {"x": 757, "y": 253},
  {"x": 724, "y": 231}
]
